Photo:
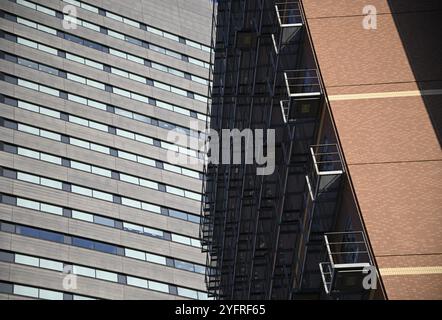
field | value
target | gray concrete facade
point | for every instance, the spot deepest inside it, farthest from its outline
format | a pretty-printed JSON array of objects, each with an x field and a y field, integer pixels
[{"x": 46, "y": 223}]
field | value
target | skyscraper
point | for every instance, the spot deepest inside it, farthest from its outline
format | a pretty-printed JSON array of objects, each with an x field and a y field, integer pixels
[
  {"x": 92, "y": 203},
  {"x": 353, "y": 208}
]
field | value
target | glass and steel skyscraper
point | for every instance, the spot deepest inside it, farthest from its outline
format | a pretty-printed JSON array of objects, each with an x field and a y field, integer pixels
[{"x": 91, "y": 204}]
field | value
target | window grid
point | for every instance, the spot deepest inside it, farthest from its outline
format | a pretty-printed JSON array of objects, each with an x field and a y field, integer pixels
[
  {"x": 100, "y": 274},
  {"x": 138, "y": 25},
  {"x": 47, "y": 208},
  {"x": 117, "y": 35},
  {"x": 105, "y": 248},
  {"x": 162, "y": 144}
]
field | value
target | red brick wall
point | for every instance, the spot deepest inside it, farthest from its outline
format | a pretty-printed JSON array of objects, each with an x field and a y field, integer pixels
[{"x": 390, "y": 145}]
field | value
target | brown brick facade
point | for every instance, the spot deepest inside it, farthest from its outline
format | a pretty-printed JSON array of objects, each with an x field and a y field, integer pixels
[{"x": 390, "y": 144}]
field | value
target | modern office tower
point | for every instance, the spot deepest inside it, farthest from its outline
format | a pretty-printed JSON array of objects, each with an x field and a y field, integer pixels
[
  {"x": 353, "y": 92},
  {"x": 93, "y": 204}
]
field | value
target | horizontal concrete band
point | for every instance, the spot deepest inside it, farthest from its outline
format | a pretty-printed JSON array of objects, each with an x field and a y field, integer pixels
[
  {"x": 388, "y": 94},
  {"x": 399, "y": 271}
]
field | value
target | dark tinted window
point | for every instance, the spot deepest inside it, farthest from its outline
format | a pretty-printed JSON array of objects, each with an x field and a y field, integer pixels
[
  {"x": 103, "y": 247},
  {"x": 193, "y": 218},
  {"x": 27, "y": 63},
  {"x": 51, "y": 236},
  {"x": 104, "y": 221},
  {"x": 73, "y": 38},
  {"x": 178, "y": 214},
  {"x": 48, "y": 69},
  {"x": 184, "y": 265},
  {"x": 26, "y": 231},
  {"x": 82, "y": 243}
]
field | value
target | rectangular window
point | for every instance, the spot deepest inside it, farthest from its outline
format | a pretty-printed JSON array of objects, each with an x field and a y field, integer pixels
[
  {"x": 79, "y": 143},
  {"x": 180, "y": 239},
  {"x": 131, "y": 203},
  {"x": 93, "y": 64},
  {"x": 50, "y": 264},
  {"x": 126, "y": 134},
  {"x": 77, "y": 99},
  {"x": 84, "y": 271},
  {"x": 192, "y": 195},
  {"x": 151, "y": 207},
  {"x": 28, "y": 204},
  {"x": 27, "y": 260},
  {"x": 95, "y": 84},
  {"x": 28, "y": 129},
  {"x": 102, "y": 195},
  {"x": 196, "y": 243},
  {"x": 104, "y": 221},
  {"x": 146, "y": 161},
  {"x": 82, "y": 216},
  {"x": 51, "y": 183},
  {"x": 51, "y": 236},
  {"x": 83, "y": 243},
  {"x": 177, "y": 214},
  {"x": 137, "y": 78},
  {"x": 28, "y": 153},
  {"x": 126, "y": 155},
  {"x": 128, "y": 178},
  {"x": 81, "y": 190},
  {"x": 131, "y": 22},
  {"x": 77, "y": 120},
  {"x": 174, "y": 191},
  {"x": 114, "y": 16},
  {"x": 187, "y": 293},
  {"x": 76, "y": 78},
  {"x": 101, "y": 172},
  {"x": 75, "y": 58},
  {"x": 117, "y": 53},
  {"x": 80, "y": 166},
  {"x": 153, "y": 232},
  {"x": 50, "y": 113},
  {"x": 123, "y": 113},
  {"x": 105, "y": 275},
  {"x": 132, "y": 227},
  {"x": 140, "y": 98},
  {"x": 184, "y": 265},
  {"x": 135, "y": 59},
  {"x": 50, "y": 294},
  {"x": 51, "y": 209},
  {"x": 99, "y": 148},
  {"x": 27, "y": 43},
  {"x": 120, "y": 72},
  {"x": 50, "y": 135},
  {"x": 134, "y": 254},
  {"x": 25, "y": 291},
  {"x": 97, "y": 105},
  {"x": 28, "y": 177},
  {"x": 148, "y": 184},
  {"x": 144, "y": 139},
  {"x": 50, "y": 91},
  {"x": 28, "y": 106},
  {"x": 137, "y": 282},
  {"x": 155, "y": 258},
  {"x": 121, "y": 92},
  {"x": 153, "y": 285}
]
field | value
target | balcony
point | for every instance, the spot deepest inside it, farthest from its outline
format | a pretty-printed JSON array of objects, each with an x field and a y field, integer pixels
[
  {"x": 304, "y": 95},
  {"x": 348, "y": 262},
  {"x": 289, "y": 18},
  {"x": 327, "y": 168}
]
